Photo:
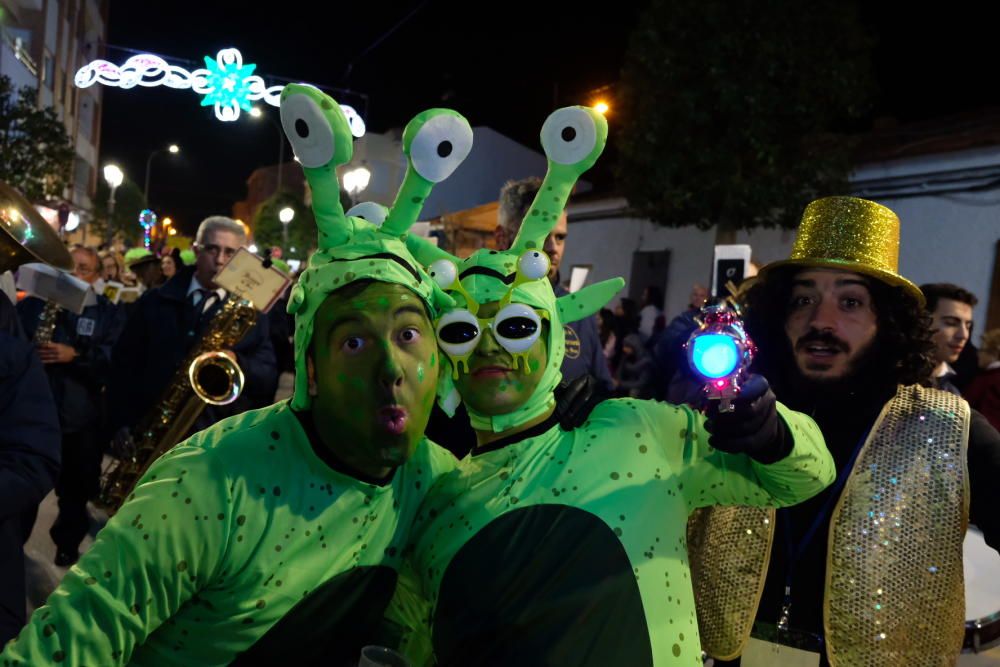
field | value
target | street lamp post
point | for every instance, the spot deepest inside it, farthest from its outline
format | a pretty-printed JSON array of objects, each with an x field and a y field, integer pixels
[
  {"x": 285, "y": 215},
  {"x": 114, "y": 177},
  {"x": 257, "y": 113},
  {"x": 173, "y": 149}
]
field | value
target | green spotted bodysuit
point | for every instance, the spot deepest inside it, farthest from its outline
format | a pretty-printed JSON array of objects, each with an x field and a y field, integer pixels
[
  {"x": 239, "y": 546},
  {"x": 569, "y": 548}
]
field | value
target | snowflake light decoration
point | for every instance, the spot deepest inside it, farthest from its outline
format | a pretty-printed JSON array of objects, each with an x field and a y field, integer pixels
[{"x": 227, "y": 84}]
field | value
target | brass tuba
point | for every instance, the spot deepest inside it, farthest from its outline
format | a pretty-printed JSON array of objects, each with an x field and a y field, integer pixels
[
  {"x": 25, "y": 236},
  {"x": 207, "y": 376}
]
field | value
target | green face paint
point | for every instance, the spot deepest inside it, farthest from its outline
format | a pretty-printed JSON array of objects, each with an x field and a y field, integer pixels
[
  {"x": 350, "y": 247},
  {"x": 492, "y": 385},
  {"x": 382, "y": 354}
]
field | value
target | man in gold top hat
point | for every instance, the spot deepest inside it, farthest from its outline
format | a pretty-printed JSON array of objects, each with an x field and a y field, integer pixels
[{"x": 868, "y": 572}]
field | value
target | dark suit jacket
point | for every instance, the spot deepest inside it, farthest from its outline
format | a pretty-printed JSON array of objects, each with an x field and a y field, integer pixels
[
  {"x": 29, "y": 459},
  {"x": 161, "y": 330},
  {"x": 78, "y": 386}
]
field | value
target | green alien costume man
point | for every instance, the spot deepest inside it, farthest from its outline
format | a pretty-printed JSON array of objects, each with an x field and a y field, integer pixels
[
  {"x": 555, "y": 547},
  {"x": 247, "y": 544}
]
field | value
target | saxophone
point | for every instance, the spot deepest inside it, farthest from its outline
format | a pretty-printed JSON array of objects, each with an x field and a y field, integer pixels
[
  {"x": 47, "y": 323},
  {"x": 207, "y": 376}
]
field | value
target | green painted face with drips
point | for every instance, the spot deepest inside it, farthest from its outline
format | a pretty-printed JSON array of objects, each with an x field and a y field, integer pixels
[
  {"x": 369, "y": 374},
  {"x": 493, "y": 384}
]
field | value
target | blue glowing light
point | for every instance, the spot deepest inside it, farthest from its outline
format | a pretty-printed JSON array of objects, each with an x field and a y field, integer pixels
[{"x": 715, "y": 355}]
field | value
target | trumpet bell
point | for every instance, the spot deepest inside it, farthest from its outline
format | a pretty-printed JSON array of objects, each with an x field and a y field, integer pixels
[{"x": 25, "y": 236}]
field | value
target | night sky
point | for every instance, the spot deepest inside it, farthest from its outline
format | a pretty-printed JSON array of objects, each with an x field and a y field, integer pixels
[{"x": 507, "y": 70}]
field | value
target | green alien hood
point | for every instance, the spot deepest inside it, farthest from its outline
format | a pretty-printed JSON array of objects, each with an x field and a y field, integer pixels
[
  {"x": 573, "y": 138},
  {"x": 352, "y": 248}
]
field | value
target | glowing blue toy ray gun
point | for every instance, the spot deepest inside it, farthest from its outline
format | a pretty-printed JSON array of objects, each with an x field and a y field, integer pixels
[{"x": 720, "y": 353}]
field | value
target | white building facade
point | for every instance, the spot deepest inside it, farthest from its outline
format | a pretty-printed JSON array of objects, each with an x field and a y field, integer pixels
[{"x": 42, "y": 45}]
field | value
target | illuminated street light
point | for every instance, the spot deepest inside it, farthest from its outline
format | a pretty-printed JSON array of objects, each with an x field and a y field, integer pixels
[
  {"x": 285, "y": 215},
  {"x": 114, "y": 177}
]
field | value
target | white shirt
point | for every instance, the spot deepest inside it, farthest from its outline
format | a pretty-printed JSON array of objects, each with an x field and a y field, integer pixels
[
  {"x": 943, "y": 369},
  {"x": 195, "y": 286}
]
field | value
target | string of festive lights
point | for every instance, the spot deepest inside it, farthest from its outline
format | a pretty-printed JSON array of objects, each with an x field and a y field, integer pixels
[{"x": 226, "y": 83}]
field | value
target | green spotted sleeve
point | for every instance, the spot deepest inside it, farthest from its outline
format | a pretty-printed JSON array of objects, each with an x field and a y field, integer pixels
[
  {"x": 162, "y": 546},
  {"x": 711, "y": 477}
]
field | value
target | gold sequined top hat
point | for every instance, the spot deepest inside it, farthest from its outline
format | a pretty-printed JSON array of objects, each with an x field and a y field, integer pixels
[{"x": 853, "y": 235}]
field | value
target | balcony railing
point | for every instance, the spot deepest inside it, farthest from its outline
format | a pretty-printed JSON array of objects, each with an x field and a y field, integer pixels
[{"x": 16, "y": 45}]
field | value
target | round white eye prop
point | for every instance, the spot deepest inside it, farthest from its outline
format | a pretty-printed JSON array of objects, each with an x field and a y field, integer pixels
[
  {"x": 516, "y": 327},
  {"x": 533, "y": 265},
  {"x": 370, "y": 211},
  {"x": 441, "y": 144},
  {"x": 307, "y": 130},
  {"x": 568, "y": 135},
  {"x": 458, "y": 332},
  {"x": 444, "y": 273}
]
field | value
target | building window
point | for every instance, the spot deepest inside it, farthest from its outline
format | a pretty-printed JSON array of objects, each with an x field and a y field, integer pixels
[{"x": 48, "y": 69}]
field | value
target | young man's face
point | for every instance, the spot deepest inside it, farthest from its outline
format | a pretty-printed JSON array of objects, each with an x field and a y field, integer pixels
[
  {"x": 216, "y": 248},
  {"x": 831, "y": 323},
  {"x": 951, "y": 326},
  {"x": 373, "y": 371},
  {"x": 492, "y": 386}
]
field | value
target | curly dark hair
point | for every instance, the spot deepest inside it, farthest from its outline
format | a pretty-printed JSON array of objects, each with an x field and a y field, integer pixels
[{"x": 902, "y": 348}]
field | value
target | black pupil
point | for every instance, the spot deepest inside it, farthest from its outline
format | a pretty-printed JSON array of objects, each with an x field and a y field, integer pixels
[
  {"x": 444, "y": 149},
  {"x": 516, "y": 327},
  {"x": 302, "y": 128},
  {"x": 458, "y": 332},
  {"x": 568, "y": 134}
]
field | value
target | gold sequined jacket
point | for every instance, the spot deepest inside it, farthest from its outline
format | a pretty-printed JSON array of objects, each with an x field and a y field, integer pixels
[{"x": 894, "y": 585}]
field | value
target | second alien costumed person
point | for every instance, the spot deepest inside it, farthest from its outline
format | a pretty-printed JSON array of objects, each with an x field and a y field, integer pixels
[{"x": 549, "y": 546}]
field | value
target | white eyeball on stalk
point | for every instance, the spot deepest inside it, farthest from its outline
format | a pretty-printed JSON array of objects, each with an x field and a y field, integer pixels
[
  {"x": 444, "y": 272},
  {"x": 534, "y": 265}
]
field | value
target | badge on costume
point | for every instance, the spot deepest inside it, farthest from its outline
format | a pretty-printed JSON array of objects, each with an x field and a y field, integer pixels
[
  {"x": 85, "y": 326},
  {"x": 759, "y": 653},
  {"x": 572, "y": 342}
]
